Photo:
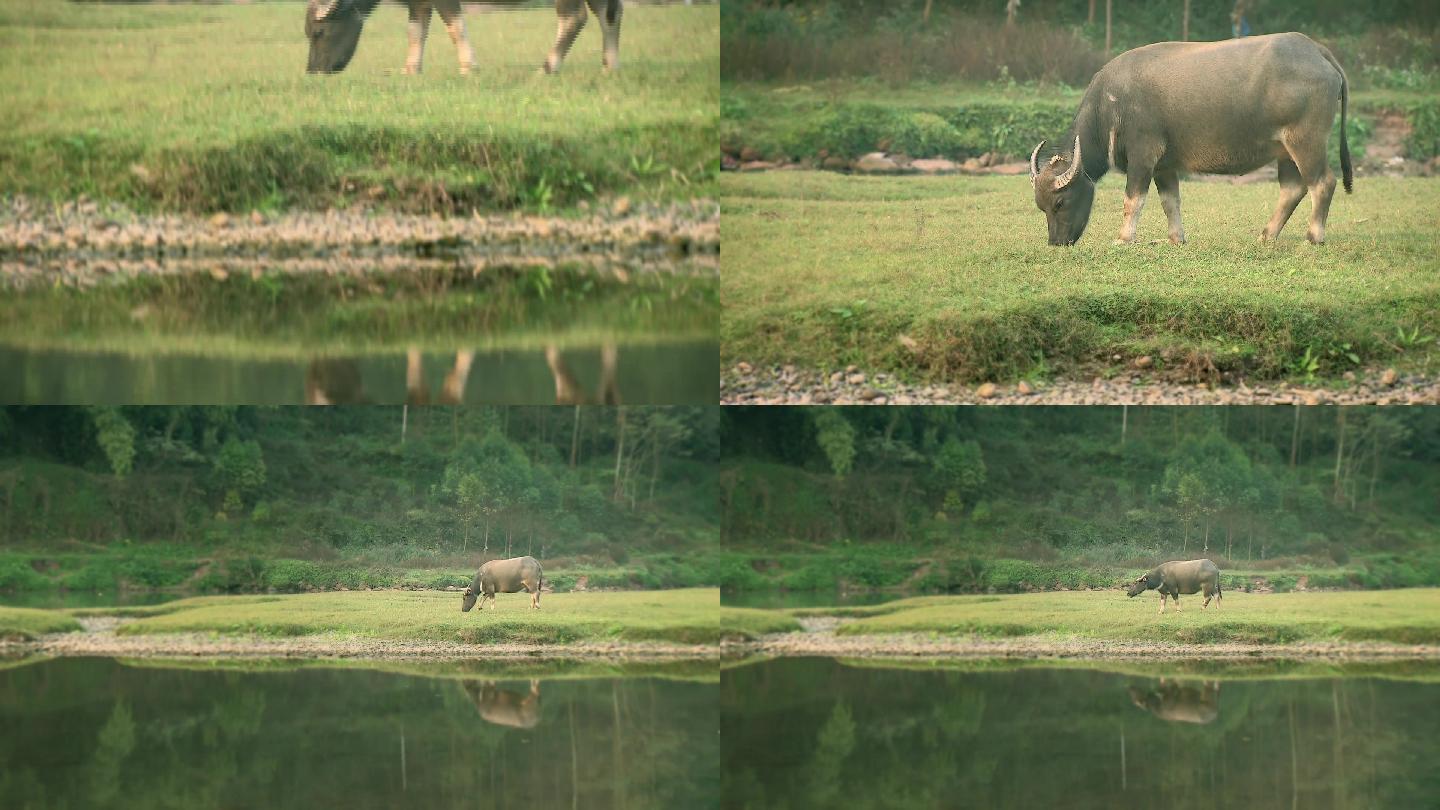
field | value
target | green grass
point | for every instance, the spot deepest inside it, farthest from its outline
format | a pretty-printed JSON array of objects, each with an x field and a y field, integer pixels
[
  {"x": 1408, "y": 616},
  {"x": 212, "y": 104},
  {"x": 751, "y": 623},
  {"x": 824, "y": 270},
  {"x": 25, "y": 623},
  {"x": 293, "y": 317},
  {"x": 683, "y": 616}
]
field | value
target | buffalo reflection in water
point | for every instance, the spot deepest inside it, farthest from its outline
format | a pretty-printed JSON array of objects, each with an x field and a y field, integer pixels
[
  {"x": 333, "y": 381},
  {"x": 503, "y": 707},
  {"x": 1180, "y": 701}
]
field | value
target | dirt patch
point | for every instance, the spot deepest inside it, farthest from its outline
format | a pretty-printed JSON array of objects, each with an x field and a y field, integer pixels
[{"x": 826, "y": 643}]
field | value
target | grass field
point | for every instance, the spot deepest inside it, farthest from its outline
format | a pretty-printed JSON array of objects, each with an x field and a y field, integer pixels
[
  {"x": 26, "y": 623},
  {"x": 683, "y": 616},
  {"x": 951, "y": 278},
  {"x": 1410, "y": 616},
  {"x": 207, "y": 107},
  {"x": 750, "y": 623}
]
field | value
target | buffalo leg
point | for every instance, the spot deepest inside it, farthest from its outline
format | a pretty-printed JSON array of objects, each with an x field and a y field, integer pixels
[
  {"x": 609, "y": 393},
  {"x": 452, "y": 392},
  {"x": 419, "y": 30},
  {"x": 1137, "y": 183},
  {"x": 1168, "y": 184},
  {"x": 415, "y": 391},
  {"x": 1292, "y": 191},
  {"x": 611, "y": 29},
  {"x": 1162, "y": 603},
  {"x": 454, "y": 21},
  {"x": 572, "y": 18},
  {"x": 1311, "y": 159}
]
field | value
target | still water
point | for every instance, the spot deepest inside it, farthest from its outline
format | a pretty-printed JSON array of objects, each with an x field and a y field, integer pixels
[
  {"x": 682, "y": 374},
  {"x": 817, "y": 732},
  {"x": 96, "y": 732}
]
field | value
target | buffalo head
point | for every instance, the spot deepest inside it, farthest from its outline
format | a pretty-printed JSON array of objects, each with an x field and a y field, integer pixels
[
  {"x": 333, "y": 29},
  {"x": 1064, "y": 193},
  {"x": 1141, "y": 585},
  {"x": 468, "y": 601}
]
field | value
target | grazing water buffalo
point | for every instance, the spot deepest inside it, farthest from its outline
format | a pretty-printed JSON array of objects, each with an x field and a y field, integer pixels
[
  {"x": 1180, "y": 702},
  {"x": 1220, "y": 107},
  {"x": 333, "y": 28},
  {"x": 503, "y": 707},
  {"x": 1174, "y": 578},
  {"x": 505, "y": 576}
]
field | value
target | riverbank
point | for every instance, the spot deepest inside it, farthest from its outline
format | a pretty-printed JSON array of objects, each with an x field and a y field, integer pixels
[
  {"x": 948, "y": 281},
  {"x": 1101, "y": 624},
  {"x": 386, "y": 624}
]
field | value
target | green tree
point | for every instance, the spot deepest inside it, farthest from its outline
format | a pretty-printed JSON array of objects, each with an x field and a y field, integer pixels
[
  {"x": 240, "y": 469},
  {"x": 116, "y": 437},
  {"x": 836, "y": 437}
]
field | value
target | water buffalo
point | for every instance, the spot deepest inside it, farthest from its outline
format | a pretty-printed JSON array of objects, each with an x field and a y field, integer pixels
[
  {"x": 505, "y": 576},
  {"x": 1174, "y": 578},
  {"x": 1220, "y": 107},
  {"x": 503, "y": 707},
  {"x": 1197, "y": 703},
  {"x": 333, "y": 29}
]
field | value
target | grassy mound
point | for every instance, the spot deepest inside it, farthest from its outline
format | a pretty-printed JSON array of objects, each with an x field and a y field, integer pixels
[
  {"x": 25, "y": 623},
  {"x": 824, "y": 270},
  {"x": 750, "y": 623},
  {"x": 681, "y": 616},
  {"x": 1410, "y": 616}
]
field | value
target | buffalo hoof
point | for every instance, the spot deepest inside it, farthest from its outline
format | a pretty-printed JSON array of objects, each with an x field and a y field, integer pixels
[{"x": 1177, "y": 240}]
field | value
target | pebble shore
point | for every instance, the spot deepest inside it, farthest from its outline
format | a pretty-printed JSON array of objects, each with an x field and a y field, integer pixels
[
  {"x": 83, "y": 243},
  {"x": 744, "y": 384}
]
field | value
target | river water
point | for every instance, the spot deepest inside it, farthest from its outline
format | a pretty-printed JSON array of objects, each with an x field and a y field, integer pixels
[
  {"x": 818, "y": 732},
  {"x": 97, "y": 732},
  {"x": 677, "y": 374}
]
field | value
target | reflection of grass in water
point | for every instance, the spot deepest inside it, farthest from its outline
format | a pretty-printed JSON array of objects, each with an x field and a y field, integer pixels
[
  {"x": 212, "y": 103},
  {"x": 684, "y": 616},
  {"x": 1422, "y": 671},
  {"x": 279, "y": 316},
  {"x": 554, "y": 669}
]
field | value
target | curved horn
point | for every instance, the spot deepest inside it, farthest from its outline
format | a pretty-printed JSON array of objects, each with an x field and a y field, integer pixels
[
  {"x": 323, "y": 8},
  {"x": 1035, "y": 167},
  {"x": 1064, "y": 179}
]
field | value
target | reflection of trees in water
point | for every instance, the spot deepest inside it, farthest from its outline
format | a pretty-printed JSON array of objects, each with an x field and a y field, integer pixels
[
  {"x": 1005, "y": 739},
  {"x": 313, "y": 738}
]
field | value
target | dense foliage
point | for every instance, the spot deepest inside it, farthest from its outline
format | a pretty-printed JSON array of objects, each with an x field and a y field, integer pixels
[
  {"x": 1384, "y": 45},
  {"x": 1105, "y": 486},
  {"x": 401, "y": 485}
]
